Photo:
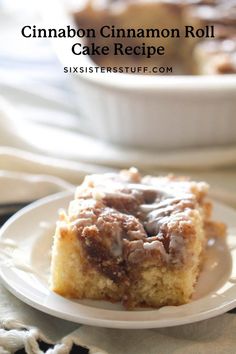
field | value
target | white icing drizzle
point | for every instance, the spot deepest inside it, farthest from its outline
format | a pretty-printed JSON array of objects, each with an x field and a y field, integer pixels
[{"x": 159, "y": 204}]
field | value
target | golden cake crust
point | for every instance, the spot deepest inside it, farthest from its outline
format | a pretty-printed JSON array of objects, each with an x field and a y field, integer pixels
[{"x": 132, "y": 239}]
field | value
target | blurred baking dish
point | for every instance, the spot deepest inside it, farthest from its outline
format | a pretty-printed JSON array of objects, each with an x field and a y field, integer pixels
[{"x": 160, "y": 112}]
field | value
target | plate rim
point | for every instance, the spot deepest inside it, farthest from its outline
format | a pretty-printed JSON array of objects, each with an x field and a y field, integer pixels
[{"x": 101, "y": 322}]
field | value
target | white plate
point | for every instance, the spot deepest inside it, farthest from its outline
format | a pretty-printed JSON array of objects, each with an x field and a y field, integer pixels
[{"x": 25, "y": 257}]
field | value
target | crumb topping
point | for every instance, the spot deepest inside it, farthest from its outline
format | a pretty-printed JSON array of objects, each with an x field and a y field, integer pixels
[{"x": 123, "y": 218}]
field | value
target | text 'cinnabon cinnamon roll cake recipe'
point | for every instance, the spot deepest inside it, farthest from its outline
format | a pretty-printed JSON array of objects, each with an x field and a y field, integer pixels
[{"x": 132, "y": 239}]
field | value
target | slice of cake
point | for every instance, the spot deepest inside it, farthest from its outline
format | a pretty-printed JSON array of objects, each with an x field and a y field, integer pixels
[{"x": 132, "y": 239}]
